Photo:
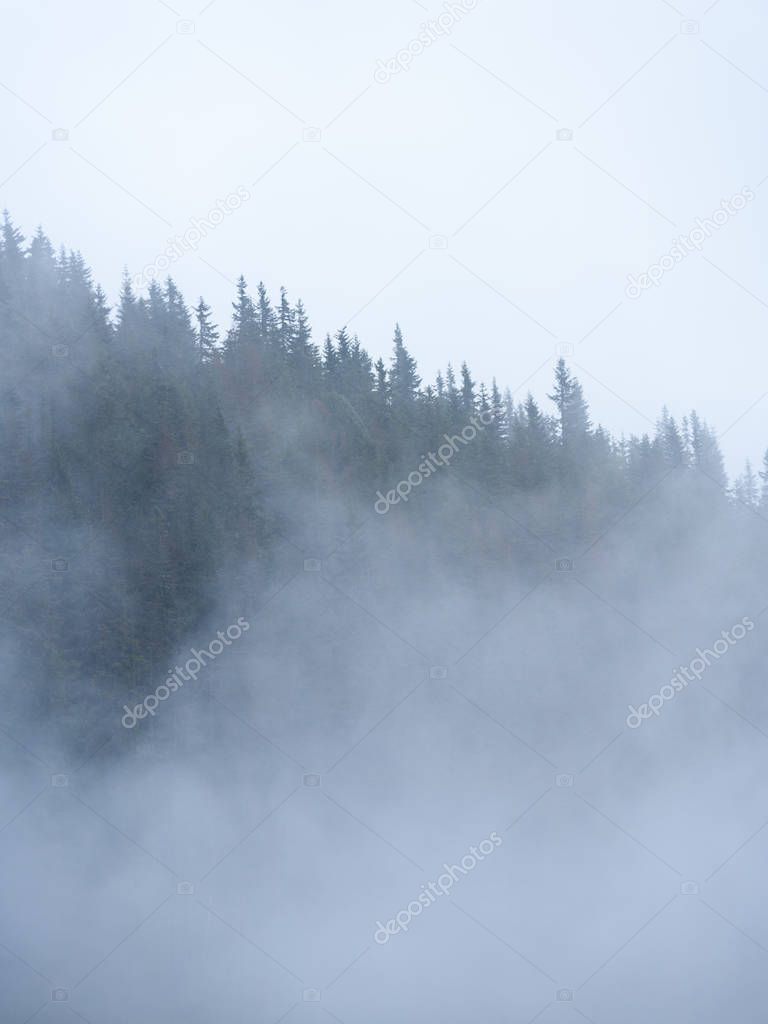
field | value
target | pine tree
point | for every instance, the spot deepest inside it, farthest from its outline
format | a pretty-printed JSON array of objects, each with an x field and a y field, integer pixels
[
  {"x": 243, "y": 333},
  {"x": 180, "y": 332},
  {"x": 207, "y": 333},
  {"x": 343, "y": 351},
  {"x": 404, "y": 381},
  {"x": 381, "y": 386},
  {"x": 670, "y": 440},
  {"x": 498, "y": 409},
  {"x": 532, "y": 445},
  {"x": 130, "y": 316},
  {"x": 330, "y": 362},
  {"x": 302, "y": 355},
  {"x": 265, "y": 317},
  {"x": 286, "y": 318},
  {"x": 13, "y": 254},
  {"x": 468, "y": 403},
  {"x": 745, "y": 489},
  {"x": 574, "y": 425},
  {"x": 705, "y": 454}
]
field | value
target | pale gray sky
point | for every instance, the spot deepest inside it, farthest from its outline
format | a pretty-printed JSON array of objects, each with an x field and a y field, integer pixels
[{"x": 170, "y": 107}]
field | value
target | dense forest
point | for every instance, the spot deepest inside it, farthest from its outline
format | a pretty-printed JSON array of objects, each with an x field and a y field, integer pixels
[
  {"x": 444, "y": 599},
  {"x": 155, "y": 463}
]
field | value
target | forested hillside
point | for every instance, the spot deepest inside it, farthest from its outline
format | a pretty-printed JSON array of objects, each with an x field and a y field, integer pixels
[
  {"x": 287, "y": 632},
  {"x": 155, "y": 464}
]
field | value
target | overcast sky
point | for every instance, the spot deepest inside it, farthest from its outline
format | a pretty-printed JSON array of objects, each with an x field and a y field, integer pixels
[{"x": 449, "y": 195}]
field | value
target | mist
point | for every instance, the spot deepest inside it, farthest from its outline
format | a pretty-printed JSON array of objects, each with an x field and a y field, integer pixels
[
  {"x": 383, "y": 506},
  {"x": 329, "y": 691}
]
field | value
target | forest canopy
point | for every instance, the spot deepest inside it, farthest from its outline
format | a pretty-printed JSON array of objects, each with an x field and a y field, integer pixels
[{"x": 160, "y": 454}]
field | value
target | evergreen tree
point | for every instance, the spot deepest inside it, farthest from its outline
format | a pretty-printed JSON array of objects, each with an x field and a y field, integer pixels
[
  {"x": 302, "y": 357},
  {"x": 670, "y": 440},
  {"x": 467, "y": 391},
  {"x": 572, "y": 409},
  {"x": 404, "y": 381},
  {"x": 207, "y": 333},
  {"x": 704, "y": 451},
  {"x": 745, "y": 490},
  {"x": 381, "y": 386},
  {"x": 330, "y": 362},
  {"x": 13, "y": 254},
  {"x": 266, "y": 319},
  {"x": 243, "y": 333},
  {"x": 286, "y": 318},
  {"x": 532, "y": 445}
]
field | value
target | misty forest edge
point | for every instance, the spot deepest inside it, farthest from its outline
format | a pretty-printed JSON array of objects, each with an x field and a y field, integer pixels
[{"x": 173, "y": 467}]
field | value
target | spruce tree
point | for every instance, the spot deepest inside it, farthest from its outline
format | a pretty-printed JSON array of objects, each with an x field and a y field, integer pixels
[
  {"x": 404, "y": 381},
  {"x": 207, "y": 333},
  {"x": 573, "y": 412},
  {"x": 468, "y": 402},
  {"x": 243, "y": 333}
]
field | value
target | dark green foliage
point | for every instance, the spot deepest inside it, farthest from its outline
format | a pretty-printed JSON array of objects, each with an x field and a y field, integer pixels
[{"x": 157, "y": 461}]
